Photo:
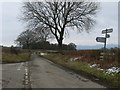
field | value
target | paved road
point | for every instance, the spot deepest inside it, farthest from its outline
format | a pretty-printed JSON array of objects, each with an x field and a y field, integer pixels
[
  {"x": 45, "y": 74},
  {"x": 0, "y": 76},
  {"x": 41, "y": 73},
  {"x": 13, "y": 75}
]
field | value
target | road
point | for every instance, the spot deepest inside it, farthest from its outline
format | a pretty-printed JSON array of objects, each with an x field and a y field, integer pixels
[
  {"x": 42, "y": 73},
  {"x": 0, "y": 76},
  {"x": 13, "y": 75},
  {"x": 46, "y": 74}
]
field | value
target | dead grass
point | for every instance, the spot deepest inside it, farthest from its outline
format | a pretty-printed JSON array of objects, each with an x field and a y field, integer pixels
[
  {"x": 9, "y": 57},
  {"x": 93, "y": 56},
  {"x": 12, "y": 58},
  {"x": 83, "y": 67}
]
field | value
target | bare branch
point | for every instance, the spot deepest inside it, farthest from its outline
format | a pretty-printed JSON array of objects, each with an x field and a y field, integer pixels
[{"x": 59, "y": 15}]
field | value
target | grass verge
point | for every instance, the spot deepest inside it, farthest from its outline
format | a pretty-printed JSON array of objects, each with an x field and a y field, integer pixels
[
  {"x": 12, "y": 58},
  {"x": 109, "y": 80}
]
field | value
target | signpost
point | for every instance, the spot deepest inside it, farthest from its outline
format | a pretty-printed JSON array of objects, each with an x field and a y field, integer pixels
[
  {"x": 104, "y": 39},
  {"x": 107, "y": 31},
  {"x": 100, "y": 39},
  {"x": 107, "y": 36}
]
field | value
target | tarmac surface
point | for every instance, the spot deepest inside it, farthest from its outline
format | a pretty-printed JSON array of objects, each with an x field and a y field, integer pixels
[
  {"x": 42, "y": 73},
  {"x": 13, "y": 75}
]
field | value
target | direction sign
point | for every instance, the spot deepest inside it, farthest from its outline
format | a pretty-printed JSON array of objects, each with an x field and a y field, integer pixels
[
  {"x": 107, "y": 36},
  {"x": 101, "y": 39},
  {"x": 107, "y": 31}
]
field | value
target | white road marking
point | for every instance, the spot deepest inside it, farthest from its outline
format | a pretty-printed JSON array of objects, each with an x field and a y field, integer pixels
[
  {"x": 26, "y": 73},
  {"x": 26, "y": 70},
  {"x": 26, "y": 77},
  {"x": 26, "y": 82}
]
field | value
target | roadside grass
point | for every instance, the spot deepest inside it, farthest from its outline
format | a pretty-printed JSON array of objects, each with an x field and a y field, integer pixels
[
  {"x": 108, "y": 79},
  {"x": 93, "y": 57},
  {"x": 13, "y": 58},
  {"x": 0, "y": 55}
]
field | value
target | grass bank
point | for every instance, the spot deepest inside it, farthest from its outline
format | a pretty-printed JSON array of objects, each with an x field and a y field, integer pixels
[
  {"x": 13, "y": 58},
  {"x": 82, "y": 67}
]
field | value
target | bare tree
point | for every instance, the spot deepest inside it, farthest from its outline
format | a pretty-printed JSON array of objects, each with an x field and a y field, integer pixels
[
  {"x": 26, "y": 38},
  {"x": 29, "y": 37},
  {"x": 41, "y": 34},
  {"x": 57, "y": 16}
]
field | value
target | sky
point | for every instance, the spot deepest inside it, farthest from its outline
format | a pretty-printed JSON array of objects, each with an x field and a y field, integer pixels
[{"x": 107, "y": 17}]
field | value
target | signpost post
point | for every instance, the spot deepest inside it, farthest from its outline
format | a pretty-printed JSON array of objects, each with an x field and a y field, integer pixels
[
  {"x": 104, "y": 39},
  {"x": 106, "y": 35}
]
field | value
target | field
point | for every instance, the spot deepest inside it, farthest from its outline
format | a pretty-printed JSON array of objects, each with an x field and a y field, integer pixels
[
  {"x": 111, "y": 59},
  {"x": 85, "y": 62},
  {"x": 10, "y": 57},
  {"x": 88, "y": 63}
]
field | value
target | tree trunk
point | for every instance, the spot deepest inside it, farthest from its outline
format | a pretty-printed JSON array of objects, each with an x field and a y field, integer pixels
[
  {"x": 28, "y": 46},
  {"x": 60, "y": 41},
  {"x": 60, "y": 44}
]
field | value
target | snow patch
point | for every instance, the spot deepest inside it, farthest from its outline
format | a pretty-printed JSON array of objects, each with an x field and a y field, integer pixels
[
  {"x": 112, "y": 70},
  {"x": 43, "y": 54},
  {"x": 74, "y": 59},
  {"x": 94, "y": 66}
]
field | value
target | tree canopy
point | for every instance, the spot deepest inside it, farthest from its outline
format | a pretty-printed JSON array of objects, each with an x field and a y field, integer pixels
[
  {"x": 34, "y": 39},
  {"x": 57, "y": 16}
]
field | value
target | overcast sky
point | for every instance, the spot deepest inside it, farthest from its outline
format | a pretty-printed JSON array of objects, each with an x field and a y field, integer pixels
[{"x": 106, "y": 18}]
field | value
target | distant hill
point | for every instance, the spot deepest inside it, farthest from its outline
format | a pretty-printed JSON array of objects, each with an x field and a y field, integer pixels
[{"x": 99, "y": 46}]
